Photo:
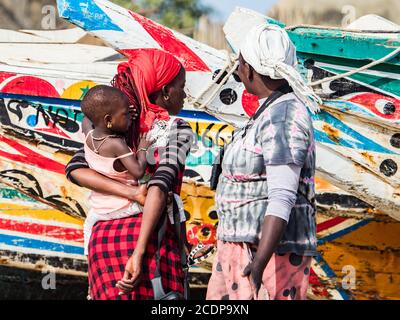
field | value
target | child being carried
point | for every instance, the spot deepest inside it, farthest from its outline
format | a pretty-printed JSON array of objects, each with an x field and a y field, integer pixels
[{"x": 107, "y": 120}]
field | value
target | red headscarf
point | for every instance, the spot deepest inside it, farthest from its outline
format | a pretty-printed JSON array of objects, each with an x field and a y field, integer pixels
[{"x": 146, "y": 72}]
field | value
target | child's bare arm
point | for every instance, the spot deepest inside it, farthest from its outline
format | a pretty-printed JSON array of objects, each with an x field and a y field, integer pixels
[
  {"x": 135, "y": 164},
  {"x": 86, "y": 126}
]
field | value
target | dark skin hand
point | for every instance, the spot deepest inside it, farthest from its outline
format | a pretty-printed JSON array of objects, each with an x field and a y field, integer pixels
[
  {"x": 272, "y": 232},
  {"x": 95, "y": 181}
]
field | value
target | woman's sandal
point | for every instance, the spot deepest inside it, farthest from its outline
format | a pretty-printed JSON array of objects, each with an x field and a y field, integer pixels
[{"x": 191, "y": 258}]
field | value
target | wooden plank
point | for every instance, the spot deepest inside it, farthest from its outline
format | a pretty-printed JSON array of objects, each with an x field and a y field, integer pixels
[
  {"x": 11, "y": 36},
  {"x": 41, "y": 36},
  {"x": 53, "y": 53},
  {"x": 72, "y": 35}
]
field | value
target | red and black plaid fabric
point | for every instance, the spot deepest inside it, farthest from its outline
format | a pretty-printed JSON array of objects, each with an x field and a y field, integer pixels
[{"x": 111, "y": 245}]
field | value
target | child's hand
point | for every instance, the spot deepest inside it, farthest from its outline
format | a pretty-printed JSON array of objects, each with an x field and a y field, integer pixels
[{"x": 145, "y": 141}]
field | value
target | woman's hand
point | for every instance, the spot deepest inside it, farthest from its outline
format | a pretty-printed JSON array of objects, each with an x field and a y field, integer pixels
[
  {"x": 272, "y": 232},
  {"x": 132, "y": 275},
  {"x": 254, "y": 272},
  {"x": 152, "y": 211},
  {"x": 138, "y": 194}
]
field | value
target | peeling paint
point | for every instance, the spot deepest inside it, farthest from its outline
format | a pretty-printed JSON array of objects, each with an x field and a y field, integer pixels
[
  {"x": 333, "y": 133},
  {"x": 368, "y": 157}
]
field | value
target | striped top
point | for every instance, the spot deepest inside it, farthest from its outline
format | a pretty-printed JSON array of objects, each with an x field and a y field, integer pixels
[{"x": 168, "y": 161}]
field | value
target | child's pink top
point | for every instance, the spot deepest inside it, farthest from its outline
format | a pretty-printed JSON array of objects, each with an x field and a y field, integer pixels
[{"x": 102, "y": 203}]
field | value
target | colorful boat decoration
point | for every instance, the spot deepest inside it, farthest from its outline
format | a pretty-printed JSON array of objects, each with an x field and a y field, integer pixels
[
  {"x": 36, "y": 240},
  {"x": 356, "y": 133}
]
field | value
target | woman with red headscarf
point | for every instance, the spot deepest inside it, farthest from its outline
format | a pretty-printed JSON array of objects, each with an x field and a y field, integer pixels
[{"x": 123, "y": 254}]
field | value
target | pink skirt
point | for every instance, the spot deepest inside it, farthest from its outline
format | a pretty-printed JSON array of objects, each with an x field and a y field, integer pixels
[{"x": 286, "y": 277}]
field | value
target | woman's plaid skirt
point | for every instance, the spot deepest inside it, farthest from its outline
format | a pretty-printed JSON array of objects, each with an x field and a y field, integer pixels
[{"x": 111, "y": 245}]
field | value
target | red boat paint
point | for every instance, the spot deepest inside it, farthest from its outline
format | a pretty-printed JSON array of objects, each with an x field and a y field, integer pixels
[
  {"x": 374, "y": 102},
  {"x": 250, "y": 103},
  {"x": 31, "y": 86},
  {"x": 166, "y": 39},
  {"x": 63, "y": 233},
  {"x": 6, "y": 75},
  {"x": 329, "y": 223},
  {"x": 30, "y": 157}
]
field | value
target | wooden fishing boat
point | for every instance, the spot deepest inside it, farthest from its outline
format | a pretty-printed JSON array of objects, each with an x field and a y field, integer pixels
[{"x": 357, "y": 134}]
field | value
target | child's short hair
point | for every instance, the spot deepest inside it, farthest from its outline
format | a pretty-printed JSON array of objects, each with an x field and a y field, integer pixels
[{"x": 99, "y": 101}]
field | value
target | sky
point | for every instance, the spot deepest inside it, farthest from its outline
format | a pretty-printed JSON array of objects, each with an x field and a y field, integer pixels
[{"x": 223, "y": 8}]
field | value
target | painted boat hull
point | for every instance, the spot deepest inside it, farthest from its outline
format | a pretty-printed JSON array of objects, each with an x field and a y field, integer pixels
[{"x": 40, "y": 121}]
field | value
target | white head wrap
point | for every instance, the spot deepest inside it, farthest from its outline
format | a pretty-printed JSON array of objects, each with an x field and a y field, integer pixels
[{"x": 269, "y": 50}]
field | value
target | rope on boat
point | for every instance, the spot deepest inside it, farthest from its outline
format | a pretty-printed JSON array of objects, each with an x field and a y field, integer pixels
[{"x": 350, "y": 73}]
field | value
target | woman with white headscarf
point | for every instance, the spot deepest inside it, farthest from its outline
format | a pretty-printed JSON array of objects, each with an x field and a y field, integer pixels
[{"x": 265, "y": 195}]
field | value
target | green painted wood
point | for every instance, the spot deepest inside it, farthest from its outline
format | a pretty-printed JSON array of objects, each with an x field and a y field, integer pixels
[
  {"x": 342, "y": 44},
  {"x": 278, "y": 23},
  {"x": 8, "y": 193}
]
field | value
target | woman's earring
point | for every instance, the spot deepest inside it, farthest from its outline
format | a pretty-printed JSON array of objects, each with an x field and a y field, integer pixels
[
  {"x": 109, "y": 125},
  {"x": 166, "y": 98}
]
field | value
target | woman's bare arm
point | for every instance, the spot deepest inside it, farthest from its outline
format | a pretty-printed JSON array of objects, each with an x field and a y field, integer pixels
[
  {"x": 172, "y": 160},
  {"x": 95, "y": 181},
  {"x": 153, "y": 208}
]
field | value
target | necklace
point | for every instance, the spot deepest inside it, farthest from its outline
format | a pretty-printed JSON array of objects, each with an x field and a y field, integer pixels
[{"x": 102, "y": 139}]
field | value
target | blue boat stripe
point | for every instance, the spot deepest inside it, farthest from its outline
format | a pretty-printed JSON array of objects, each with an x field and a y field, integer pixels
[
  {"x": 343, "y": 232},
  {"x": 198, "y": 115},
  {"x": 86, "y": 14},
  {"x": 331, "y": 274},
  {"x": 12, "y": 240},
  {"x": 361, "y": 142}
]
